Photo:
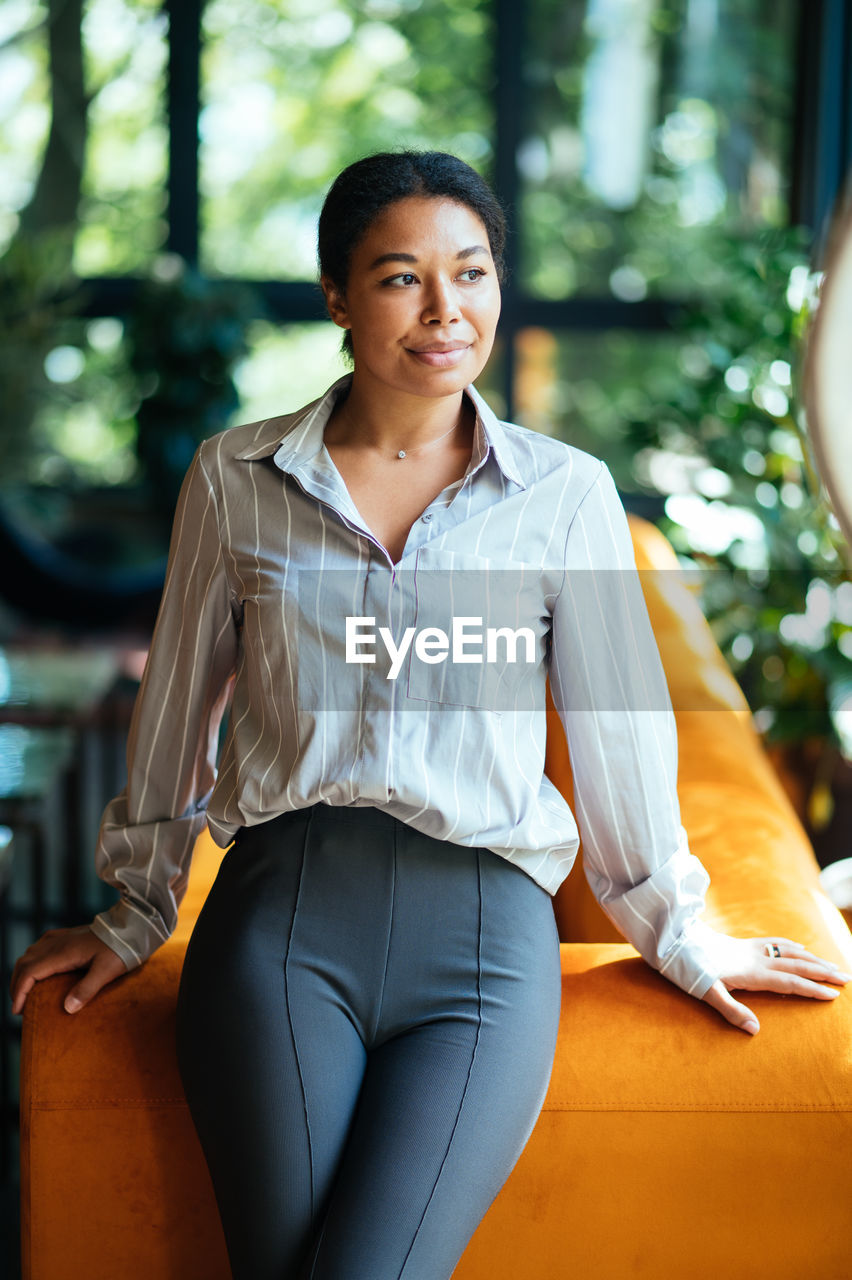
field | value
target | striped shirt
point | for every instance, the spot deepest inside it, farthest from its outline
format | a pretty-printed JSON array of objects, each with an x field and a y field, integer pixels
[{"x": 352, "y": 680}]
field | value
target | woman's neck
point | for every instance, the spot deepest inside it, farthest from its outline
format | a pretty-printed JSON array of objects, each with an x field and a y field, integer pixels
[{"x": 398, "y": 421}]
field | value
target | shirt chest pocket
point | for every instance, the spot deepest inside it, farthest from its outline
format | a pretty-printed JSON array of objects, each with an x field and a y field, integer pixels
[{"x": 481, "y": 628}]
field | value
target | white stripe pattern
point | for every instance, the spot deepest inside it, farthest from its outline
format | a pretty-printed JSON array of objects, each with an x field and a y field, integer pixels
[{"x": 269, "y": 555}]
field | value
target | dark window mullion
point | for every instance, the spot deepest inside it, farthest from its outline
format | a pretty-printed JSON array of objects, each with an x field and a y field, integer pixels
[
  {"x": 846, "y": 106},
  {"x": 822, "y": 149},
  {"x": 509, "y": 53},
  {"x": 183, "y": 109},
  {"x": 520, "y": 309}
]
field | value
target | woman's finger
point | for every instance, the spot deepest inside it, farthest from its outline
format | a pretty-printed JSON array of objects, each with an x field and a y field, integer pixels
[
  {"x": 788, "y": 984},
  {"x": 105, "y": 968},
  {"x": 44, "y": 957},
  {"x": 739, "y": 1015},
  {"x": 41, "y": 945},
  {"x": 787, "y": 948},
  {"x": 796, "y": 951},
  {"x": 819, "y": 970}
]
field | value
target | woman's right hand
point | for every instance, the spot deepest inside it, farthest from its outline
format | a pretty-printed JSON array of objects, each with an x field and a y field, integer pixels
[{"x": 59, "y": 950}]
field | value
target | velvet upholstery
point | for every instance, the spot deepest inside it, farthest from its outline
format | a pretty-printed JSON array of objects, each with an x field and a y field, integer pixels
[{"x": 669, "y": 1146}]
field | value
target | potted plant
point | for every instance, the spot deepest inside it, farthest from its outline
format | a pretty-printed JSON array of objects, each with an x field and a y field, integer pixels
[{"x": 776, "y": 581}]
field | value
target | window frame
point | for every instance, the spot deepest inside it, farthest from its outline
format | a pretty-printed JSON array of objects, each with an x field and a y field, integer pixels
[{"x": 820, "y": 158}]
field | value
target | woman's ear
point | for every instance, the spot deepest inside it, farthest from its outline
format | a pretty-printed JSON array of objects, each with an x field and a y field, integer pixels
[{"x": 335, "y": 301}]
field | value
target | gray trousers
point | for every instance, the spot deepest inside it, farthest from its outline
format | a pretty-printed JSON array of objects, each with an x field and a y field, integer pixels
[{"x": 366, "y": 1026}]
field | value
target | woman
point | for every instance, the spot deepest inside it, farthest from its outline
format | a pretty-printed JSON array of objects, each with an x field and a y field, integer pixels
[{"x": 369, "y": 1004}]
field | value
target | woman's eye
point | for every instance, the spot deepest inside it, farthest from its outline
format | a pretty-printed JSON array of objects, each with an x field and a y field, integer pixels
[
  {"x": 405, "y": 278},
  {"x": 472, "y": 274}
]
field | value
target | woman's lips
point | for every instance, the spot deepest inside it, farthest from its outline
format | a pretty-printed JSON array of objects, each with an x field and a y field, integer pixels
[{"x": 445, "y": 358}]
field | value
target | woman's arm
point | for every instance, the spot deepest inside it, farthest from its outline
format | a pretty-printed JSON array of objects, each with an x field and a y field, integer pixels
[
  {"x": 610, "y": 691},
  {"x": 148, "y": 831}
]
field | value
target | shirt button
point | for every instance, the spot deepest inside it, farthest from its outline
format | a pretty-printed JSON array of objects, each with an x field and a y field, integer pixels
[{"x": 427, "y": 517}]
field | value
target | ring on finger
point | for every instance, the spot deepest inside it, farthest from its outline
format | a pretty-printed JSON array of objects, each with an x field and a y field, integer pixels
[{"x": 772, "y": 949}]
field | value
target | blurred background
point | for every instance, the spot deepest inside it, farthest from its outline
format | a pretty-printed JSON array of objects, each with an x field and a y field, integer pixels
[{"x": 669, "y": 168}]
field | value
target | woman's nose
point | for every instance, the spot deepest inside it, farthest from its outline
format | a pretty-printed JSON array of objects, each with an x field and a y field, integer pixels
[{"x": 442, "y": 303}]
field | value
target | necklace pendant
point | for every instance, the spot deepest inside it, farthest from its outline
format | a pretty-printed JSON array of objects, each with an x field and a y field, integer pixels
[{"x": 401, "y": 453}]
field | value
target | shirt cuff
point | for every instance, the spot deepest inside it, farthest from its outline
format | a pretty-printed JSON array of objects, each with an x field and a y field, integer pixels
[
  {"x": 127, "y": 933},
  {"x": 693, "y": 962}
]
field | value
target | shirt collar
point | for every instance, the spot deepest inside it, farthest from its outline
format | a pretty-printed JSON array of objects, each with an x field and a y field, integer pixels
[{"x": 295, "y": 439}]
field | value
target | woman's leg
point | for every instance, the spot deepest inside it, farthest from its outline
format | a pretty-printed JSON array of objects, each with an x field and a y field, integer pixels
[
  {"x": 459, "y": 1066},
  {"x": 271, "y": 1062}
]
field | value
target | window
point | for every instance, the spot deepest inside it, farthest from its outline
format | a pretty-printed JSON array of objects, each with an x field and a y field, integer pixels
[{"x": 624, "y": 136}]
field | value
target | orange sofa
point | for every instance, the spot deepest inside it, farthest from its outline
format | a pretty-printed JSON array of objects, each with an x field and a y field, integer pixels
[{"x": 670, "y": 1145}]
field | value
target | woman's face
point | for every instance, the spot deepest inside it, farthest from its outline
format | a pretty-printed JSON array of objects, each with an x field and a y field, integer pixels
[{"x": 422, "y": 299}]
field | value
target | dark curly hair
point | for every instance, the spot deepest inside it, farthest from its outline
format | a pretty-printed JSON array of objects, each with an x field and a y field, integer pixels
[{"x": 363, "y": 190}]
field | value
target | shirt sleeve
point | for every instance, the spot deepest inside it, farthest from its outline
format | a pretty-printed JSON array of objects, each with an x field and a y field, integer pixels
[
  {"x": 148, "y": 832},
  {"x": 610, "y": 691}
]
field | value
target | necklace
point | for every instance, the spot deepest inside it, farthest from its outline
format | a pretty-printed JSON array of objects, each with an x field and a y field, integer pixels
[{"x": 405, "y": 453}]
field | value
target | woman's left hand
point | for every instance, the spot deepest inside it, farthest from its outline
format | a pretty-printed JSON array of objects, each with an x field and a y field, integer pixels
[{"x": 748, "y": 965}]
